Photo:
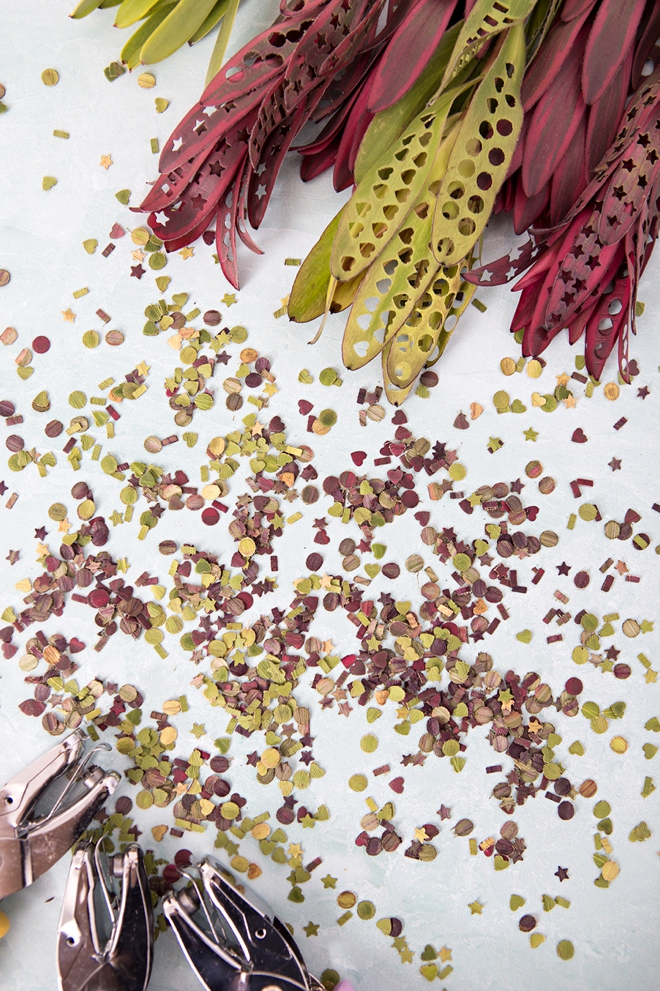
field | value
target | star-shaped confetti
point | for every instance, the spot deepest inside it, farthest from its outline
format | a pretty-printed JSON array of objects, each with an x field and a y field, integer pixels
[
  {"x": 329, "y": 881},
  {"x": 229, "y": 299},
  {"x": 3, "y": 488},
  {"x": 650, "y": 676},
  {"x": 615, "y": 464},
  {"x": 187, "y": 252},
  {"x": 476, "y": 908},
  {"x": 563, "y": 568},
  {"x": 643, "y": 393},
  {"x": 621, "y": 567},
  {"x": 421, "y": 834},
  {"x": 12, "y": 557},
  {"x": 406, "y": 955},
  {"x": 40, "y": 534},
  {"x": 494, "y": 444},
  {"x": 137, "y": 271},
  {"x": 106, "y": 162},
  {"x": 138, "y": 255},
  {"x": 562, "y": 379},
  {"x": 646, "y": 626},
  {"x": 444, "y": 812},
  {"x": 570, "y": 402},
  {"x": 530, "y": 434},
  {"x": 562, "y": 873},
  {"x": 311, "y": 929},
  {"x": 69, "y": 315},
  {"x": 198, "y": 730},
  {"x": 445, "y": 954}
]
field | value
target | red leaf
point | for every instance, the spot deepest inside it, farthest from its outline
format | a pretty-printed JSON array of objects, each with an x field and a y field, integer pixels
[
  {"x": 611, "y": 36},
  {"x": 605, "y": 114},
  {"x": 645, "y": 45},
  {"x": 555, "y": 119},
  {"x": 527, "y": 209},
  {"x": 569, "y": 179},
  {"x": 575, "y": 8},
  {"x": 553, "y": 53},
  {"x": 409, "y": 51}
]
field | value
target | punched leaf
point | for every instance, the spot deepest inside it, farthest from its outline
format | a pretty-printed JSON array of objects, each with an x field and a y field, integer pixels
[
  {"x": 486, "y": 19},
  {"x": 480, "y": 159}
]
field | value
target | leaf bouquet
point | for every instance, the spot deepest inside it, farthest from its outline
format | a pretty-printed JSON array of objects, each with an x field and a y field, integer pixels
[{"x": 439, "y": 112}]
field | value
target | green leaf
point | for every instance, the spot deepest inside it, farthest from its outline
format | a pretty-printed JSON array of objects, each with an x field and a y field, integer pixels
[
  {"x": 211, "y": 20},
  {"x": 84, "y": 8},
  {"x": 398, "y": 277},
  {"x": 383, "y": 200},
  {"x": 178, "y": 27},
  {"x": 310, "y": 288},
  {"x": 220, "y": 47},
  {"x": 131, "y": 11},
  {"x": 131, "y": 52},
  {"x": 480, "y": 159},
  {"x": 388, "y": 125},
  {"x": 486, "y": 19}
]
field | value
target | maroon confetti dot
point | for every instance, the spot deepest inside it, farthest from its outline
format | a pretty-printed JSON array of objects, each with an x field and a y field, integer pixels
[
  {"x": 314, "y": 561},
  {"x": 210, "y": 516},
  {"x": 41, "y": 345},
  {"x": 566, "y": 810},
  {"x": 581, "y": 579},
  {"x": 574, "y": 686}
]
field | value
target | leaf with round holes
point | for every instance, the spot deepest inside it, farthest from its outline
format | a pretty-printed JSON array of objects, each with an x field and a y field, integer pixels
[
  {"x": 437, "y": 322},
  {"x": 398, "y": 277},
  {"x": 480, "y": 159},
  {"x": 383, "y": 200},
  {"x": 486, "y": 19}
]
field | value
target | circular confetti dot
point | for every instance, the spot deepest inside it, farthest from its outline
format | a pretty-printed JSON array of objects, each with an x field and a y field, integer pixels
[
  {"x": 602, "y": 809},
  {"x": 210, "y": 516},
  {"x": 611, "y": 391},
  {"x": 369, "y": 743},
  {"x": 610, "y": 870},
  {"x": 366, "y": 910},
  {"x": 565, "y": 949},
  {"x": 534, "y": 368},
  {"x": 91, "y": 339},
  {"x": 508, "y": 366},
  {"x": 574, "y": 686},
  {"x": 357, "y": 782},
  {"x": 50, "y": 77},
  {"x": 618, "y": 744},
  {"x": 41, "y": 345}
]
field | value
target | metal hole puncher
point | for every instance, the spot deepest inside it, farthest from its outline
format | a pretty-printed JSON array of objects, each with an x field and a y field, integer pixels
[
  {"x": 46, "y": 807},
  {"x": 234, "y": 942}
]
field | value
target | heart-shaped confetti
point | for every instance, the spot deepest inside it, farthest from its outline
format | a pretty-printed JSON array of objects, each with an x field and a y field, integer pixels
[
  {"x": 358, "y": 457},
  {"x": 116, "y": 232},
  {"x": 461, "y": 422},
  {"x": 516, "y": 902},
  {"x": 399, "y": 417},
  {"x": 579, "y": 436},
  {"x": 428, "y": 953},
  {"x": 397, "y": 784},
  {"x": 532, "y": 513},
  {"x": 429, "y": 971},
  {"x": 305, "y": 407},
  {"x": 372, "y": 570}
]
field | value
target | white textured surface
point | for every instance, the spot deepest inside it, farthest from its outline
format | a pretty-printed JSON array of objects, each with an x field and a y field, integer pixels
[{"x": 613, "y": 930}]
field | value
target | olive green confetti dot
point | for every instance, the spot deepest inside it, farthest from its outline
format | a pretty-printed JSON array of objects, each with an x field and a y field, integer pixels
[
  {"x": 457, "y": 471},
  {"x": 77, "y": 399},
  {"x": 328, "y": 376},
  {"x": 366, "y": 910},
  {"x": 330, "y": 979},
  {"x": 157, "y": 260},
  {"x": 369, "y": 743},
  {"x": 50, "y": 77},
  {"x": 91, "y": 339},
  {"x": 357, "y": 782},
  {"x": 602, "y": 809},
  {"x": 588, "y": 512},
  {"x": 328, "y": 417},
  {"x": 565, "y": 949}
]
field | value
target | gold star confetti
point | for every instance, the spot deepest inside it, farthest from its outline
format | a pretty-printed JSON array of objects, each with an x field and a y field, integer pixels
[
  {"x": 570, "y": 402},
  {"x": 138, "y": 255},
  {"x": 329, "y": 881},
  {"x": 106, "y": 161},
  {"x": 198, "y": 730},
  {"x": 421, "y": 834},
  {"x": 228, "y": 299},
  {"x": 530, "y": 434},
  {"x": 69, "y": 315},
  {"x": 64, "y": 526},
  {"x": 295, "y": 849},
  {"x": 445, "y": 954},
  {"x": 562, "y": 379},
  {"x": 476, "y": 908},
  {"x": 311, "y": 929},
  {"x": 187, "y": 252}
]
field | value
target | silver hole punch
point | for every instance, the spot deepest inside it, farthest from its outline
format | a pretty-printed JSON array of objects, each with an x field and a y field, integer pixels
[
  {"x": 232, "y": 942},
  {"x": 46, "y": 807},
  {"x": 106, "y": 929}
]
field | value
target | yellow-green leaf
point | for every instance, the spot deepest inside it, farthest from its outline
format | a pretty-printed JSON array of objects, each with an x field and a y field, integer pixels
[
  {"x": 179, "y": 25},
  {"x": 480, "y": 158},
  {"x": 486, "y": 19}
]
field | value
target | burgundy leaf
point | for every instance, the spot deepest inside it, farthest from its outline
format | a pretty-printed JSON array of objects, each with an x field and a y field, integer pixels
[
  {"x": 605, "y": 325},
  {"x": 611, "y": 36},
  {"x": 579, "y": 322},
  {"x": 527, "y": 209},
  {"x": 261, "y": 183},
  {"x": 317, "y": 162},
  {"x": 555, "y": 119},
  {"x": 502, "y": 270},
  {"x": 569, "y": 178},
  {"x": 409, "y": 51},
  {"x": 605, "y": 115},
  {"x": 551, "y": 56},
  {"x": 575, "y": 8},
  {"x": 646, "y": 44}
]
